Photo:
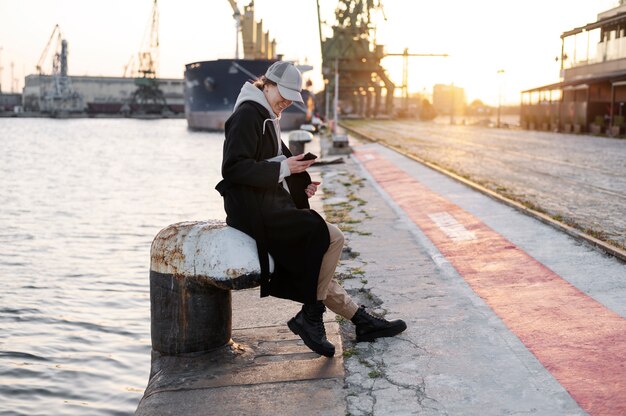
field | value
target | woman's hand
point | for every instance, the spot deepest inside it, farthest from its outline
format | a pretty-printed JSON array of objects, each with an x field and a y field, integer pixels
[
  {"x": 296, "y": 165},
  {"x": 311, "y": 189}
]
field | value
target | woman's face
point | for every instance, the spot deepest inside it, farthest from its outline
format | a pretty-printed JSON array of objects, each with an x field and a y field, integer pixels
[{"x": 276, "y": 101}]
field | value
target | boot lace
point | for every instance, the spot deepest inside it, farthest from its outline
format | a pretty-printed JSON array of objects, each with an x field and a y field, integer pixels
[
  {"x": 377, "y": 318},
  {"x": 321, "y": 330},
  {"x": 315, "y": 316}
]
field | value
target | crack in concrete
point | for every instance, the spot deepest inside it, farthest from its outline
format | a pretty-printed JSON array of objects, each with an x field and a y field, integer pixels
[{"x": 367, "y": 372}]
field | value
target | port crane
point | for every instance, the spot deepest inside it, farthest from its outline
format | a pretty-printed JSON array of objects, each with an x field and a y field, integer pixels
[
  {"x": 56, "y": 95},
  {"x": 351, "y": 62},
  {"x": 256, "y": 42},
  {"x": 405, "y": 72},
  {"x": 148, "y": 97},
  {"x": 237, "y": 17}
]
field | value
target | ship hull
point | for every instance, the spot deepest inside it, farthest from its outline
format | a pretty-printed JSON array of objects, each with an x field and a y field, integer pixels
[
  {"x": 215, "y": 120},
  {"x": 211, "y": 90}
]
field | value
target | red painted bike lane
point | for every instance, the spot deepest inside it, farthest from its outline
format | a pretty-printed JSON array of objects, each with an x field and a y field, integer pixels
[{"x": 578, "y": 340}]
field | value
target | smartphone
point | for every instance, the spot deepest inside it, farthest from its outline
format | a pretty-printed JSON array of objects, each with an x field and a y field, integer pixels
[{"x": 309, "y": 156}]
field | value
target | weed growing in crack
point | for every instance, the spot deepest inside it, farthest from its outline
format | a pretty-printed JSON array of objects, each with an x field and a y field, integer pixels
[
  {"x": 350, "y": 352},
  {"x": 343, "y": 276},
  {"x": 357, "y": 271},
  {"x": 364, "y": 362},
  {"x": 328, "y": 193},
  {"x": 375, "y": 374}
]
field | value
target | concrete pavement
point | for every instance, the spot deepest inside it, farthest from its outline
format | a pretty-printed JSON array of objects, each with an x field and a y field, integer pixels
[{"x": 463, "y": 353}]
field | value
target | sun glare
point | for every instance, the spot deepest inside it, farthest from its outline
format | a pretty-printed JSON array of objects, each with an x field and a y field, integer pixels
[{"x": 496, "y": 49}]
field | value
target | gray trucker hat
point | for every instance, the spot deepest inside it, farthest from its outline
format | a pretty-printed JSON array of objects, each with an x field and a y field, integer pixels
[{"x": 288, "y": 78}]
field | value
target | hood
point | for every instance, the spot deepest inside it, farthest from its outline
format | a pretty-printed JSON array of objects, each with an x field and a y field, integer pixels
[{"x": 251, "y": 93}]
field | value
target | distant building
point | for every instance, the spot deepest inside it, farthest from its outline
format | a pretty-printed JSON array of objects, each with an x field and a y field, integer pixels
[
  {"x": 449, "y": 100},
  {"x": 101, "y": 94},
  {"x": 591, "y": 95},
  {"x": 8, "y": 102}
]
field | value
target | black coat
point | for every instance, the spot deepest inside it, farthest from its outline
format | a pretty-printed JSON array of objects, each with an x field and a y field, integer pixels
[{"x": 281, "y": 222}]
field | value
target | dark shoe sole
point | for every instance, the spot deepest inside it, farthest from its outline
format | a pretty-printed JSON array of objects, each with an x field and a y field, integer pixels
[
  {"x": 297, "y": 329},
  {"x": 387, "y": 332}
]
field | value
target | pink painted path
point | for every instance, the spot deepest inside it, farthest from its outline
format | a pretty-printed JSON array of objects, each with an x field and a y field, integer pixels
[{"x": 578, "y": 340}]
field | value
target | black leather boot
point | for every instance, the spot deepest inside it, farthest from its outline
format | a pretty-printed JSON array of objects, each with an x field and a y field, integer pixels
[
  {"x": 309, "y": 325},
  {"x": 369, "y": 327}
]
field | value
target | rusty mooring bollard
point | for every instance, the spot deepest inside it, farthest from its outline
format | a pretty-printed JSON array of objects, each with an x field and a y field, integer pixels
[
  {"x": 297, "y": 140},
  {"x": 193, "y": 268}
]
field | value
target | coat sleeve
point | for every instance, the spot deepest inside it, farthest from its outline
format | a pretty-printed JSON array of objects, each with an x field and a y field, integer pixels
[
  {"x": 242, "y": 144},
  {"x": 297, "y": 183}
]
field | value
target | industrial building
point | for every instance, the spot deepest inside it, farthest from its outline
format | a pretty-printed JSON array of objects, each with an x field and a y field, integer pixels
[
  {"x": 10, "y": 102},
  {"x": 101, "y": 94},
  {"x": 449, "y": 100},
  {"x": 58, "y": 94}
]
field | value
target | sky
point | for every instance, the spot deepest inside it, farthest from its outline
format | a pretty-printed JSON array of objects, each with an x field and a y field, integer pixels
[{"x": 482, "y": 37}]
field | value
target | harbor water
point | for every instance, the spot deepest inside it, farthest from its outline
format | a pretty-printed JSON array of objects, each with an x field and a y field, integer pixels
[{"x": 80, "y": 202}]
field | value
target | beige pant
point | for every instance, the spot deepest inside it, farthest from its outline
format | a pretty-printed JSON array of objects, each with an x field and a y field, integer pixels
[{"x": 329, "y": 291}]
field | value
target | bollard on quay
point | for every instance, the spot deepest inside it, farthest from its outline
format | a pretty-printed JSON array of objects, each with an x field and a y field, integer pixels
[
  {"x": 193, "y": 268},
  {"x": 297, "y": 140}
]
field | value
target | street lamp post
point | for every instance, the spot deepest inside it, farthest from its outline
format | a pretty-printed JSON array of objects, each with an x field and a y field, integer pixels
[
  {"x": 501, "y": 73},
  {"x": 13, "y": 79},
  {"x": 336, "y": 98},
  {"x": 452, "y": 104},
  {"x": 0, "y": 69}
]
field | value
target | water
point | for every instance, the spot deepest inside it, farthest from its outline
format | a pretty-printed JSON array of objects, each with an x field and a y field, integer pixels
[{"x": 80, "y": 201}]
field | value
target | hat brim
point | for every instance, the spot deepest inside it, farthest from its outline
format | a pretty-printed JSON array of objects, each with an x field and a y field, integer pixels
[{"x": 290, "y": 94}]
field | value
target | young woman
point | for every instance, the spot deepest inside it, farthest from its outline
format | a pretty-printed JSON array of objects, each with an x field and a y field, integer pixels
[{"x": 266, "y": 191}]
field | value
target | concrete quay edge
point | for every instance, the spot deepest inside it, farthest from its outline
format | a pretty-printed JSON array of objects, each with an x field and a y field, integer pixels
[{"x": 264, "y": 370}]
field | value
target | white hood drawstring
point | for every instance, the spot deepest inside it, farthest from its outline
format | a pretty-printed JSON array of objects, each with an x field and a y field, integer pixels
[
  {"x": 265, "y": 121},
  {"x": 276, "y": 125}
]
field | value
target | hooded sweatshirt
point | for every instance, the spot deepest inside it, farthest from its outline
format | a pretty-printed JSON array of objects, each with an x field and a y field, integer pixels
[{"x": 251, "y": 93}]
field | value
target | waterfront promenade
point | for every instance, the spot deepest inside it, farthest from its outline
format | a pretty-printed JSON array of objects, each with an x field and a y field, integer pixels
[{"x": 505, "y": 314}]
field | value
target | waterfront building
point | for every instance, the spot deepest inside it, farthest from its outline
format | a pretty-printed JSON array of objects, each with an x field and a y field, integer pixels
[
  {"x": 101, "y": 94},
  {"x": 592, "y": 92}
]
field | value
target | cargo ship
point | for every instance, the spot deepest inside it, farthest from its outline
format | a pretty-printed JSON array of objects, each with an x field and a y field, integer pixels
[{"x": 211, "y": 87}]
